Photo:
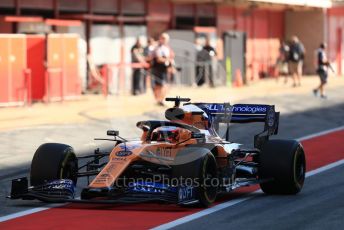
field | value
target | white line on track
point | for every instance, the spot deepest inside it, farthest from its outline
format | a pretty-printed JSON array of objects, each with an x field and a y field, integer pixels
[
  {"x": 27, "y": 212},
  {"x": 206, "y": 211},
  {"x": 320, "y": 133}
]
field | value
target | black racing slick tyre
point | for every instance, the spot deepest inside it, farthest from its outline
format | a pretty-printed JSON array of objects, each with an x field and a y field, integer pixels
[
  {"x": 282, "y": 164},
  {"x": 53, "y": 161},
  {"x": 203, "y": 172}
]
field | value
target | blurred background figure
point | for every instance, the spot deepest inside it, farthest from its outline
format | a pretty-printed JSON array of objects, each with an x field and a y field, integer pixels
[
  {"x": 162, "y": 60},
  {"x": 322, "y": 70},
  {"x": 204, "y": 67},
  {"x": 296, "y": 57},
  {"x": 171, "y": 70},
  {"x": 148, "y": 55},
  {"x": 211, "y": 54},
  {"x": 282, "y": 61},
  {"x": 137, "y": 56}
]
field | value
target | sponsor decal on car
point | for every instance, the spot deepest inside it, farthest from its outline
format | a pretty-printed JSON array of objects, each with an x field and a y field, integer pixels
[
  {"x": 249, "y": 109},
  {"x": 118, "y": 159},
  {"x": 128, "y": 147},
  {"x": 164, "y": 152},
  {"x": 186, "y": 193},
  {"x": 150, "y": 187},
  {"x": 124, "y": 153},
  {"x": 238, "y": 108}
]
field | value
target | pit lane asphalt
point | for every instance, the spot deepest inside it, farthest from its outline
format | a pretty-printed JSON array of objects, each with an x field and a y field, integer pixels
[
  {"x": 318, "y": 206},
  {"x": 302, "y": 116}
]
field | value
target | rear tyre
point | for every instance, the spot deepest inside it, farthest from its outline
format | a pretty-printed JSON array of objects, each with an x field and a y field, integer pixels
[
  {"x": 283, "y": 164},
  {"x": 203, "y": 173},
  {"x": 53, "y": 161}
]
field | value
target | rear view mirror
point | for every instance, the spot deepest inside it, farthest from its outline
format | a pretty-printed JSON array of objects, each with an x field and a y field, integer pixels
[{"x": 114, "y": 133}]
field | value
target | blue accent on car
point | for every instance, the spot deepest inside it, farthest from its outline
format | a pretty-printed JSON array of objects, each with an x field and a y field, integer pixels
[
  {"x": 151, "y": 187},
  {"x": 186, "y": 193},
  {"x": 124, "y": 153},
  {"x": 128, "y": 147},
  {"x": 237, "y": 112},
  {"x": 62, "y": 184}
]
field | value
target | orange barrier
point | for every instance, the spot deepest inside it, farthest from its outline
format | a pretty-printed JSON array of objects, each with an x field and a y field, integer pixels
[
  {"x": 238, "y": 81},
  {"x": 62, "y": 53},
  {"x": 12, "y": 63}
]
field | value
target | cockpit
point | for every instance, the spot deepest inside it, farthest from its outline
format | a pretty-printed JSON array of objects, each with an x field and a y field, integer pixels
[{"x": 165, "y": 133}]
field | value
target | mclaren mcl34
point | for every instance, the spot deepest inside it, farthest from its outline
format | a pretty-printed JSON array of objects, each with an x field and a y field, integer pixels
[{"x": 180, "y": 160}]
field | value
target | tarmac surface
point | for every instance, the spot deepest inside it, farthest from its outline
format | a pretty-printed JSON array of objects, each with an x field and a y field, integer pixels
[{"x": 76, "y": 123}]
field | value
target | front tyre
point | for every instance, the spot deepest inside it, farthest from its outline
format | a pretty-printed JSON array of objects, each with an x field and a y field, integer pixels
[
  {"x": 53, "y": 161},
  {"x": 282, "y": 164},
  {"x": 203, "y": 173}
]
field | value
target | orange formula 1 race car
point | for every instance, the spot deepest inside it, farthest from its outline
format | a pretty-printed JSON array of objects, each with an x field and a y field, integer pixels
[{"x": 182, "y": 160}]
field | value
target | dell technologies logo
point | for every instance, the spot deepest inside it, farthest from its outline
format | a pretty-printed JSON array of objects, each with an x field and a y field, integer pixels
[{"x": 249, "y": 109}]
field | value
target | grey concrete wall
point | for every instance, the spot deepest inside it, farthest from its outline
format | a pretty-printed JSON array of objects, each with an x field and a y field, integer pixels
[{"x": 309, "y": 26}]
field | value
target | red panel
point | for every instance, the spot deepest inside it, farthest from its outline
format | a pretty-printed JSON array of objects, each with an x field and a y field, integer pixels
[
  {"x": 339, "y": 50},
  {"x": 276, "y": 24},
  {"x": 261, "y": 20},
  {"x": 5, "y": 27},
  {"x": 35, "y": 59},
  {"x": 225, "y": 19},
  {"x": 159, "y": 15},
  {"x": 4, "y": 69},
  {"x": 336, "y": 11}
]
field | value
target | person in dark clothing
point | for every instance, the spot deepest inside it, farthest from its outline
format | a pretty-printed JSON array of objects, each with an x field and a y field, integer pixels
[
  {"x": 207, "y": 54},
  {"x": 296, "y": 57},
  {"x": 162, "y": 60},
  {"x": 282, "y": 61},
  {"x": 322, "y": 70},
  {"x": 138, "y": 75}
]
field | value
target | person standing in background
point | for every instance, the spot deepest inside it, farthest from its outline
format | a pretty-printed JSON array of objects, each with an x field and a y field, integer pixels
[
  {"x": 210, "y": 55},
  {"x": 137, "y": 57},
  {"x": 296, "y": 57},
  {"x": 282, "y": 61},
  {"x": 148, "y": 55},
  {"x": 161, "y": 62},
  {"x": 322, "y": 70}
]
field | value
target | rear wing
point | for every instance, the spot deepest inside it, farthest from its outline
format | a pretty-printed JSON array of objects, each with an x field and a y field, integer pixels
[{"x": 243, "y": 113}]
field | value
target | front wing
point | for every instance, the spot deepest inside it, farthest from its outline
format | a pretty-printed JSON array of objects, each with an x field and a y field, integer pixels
[{"x": 59, "y": 191}]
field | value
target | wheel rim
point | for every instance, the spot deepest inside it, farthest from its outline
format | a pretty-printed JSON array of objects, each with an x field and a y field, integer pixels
[
  {"x": 300, "y": 168},
  {"x": 69, "y": 171}
]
